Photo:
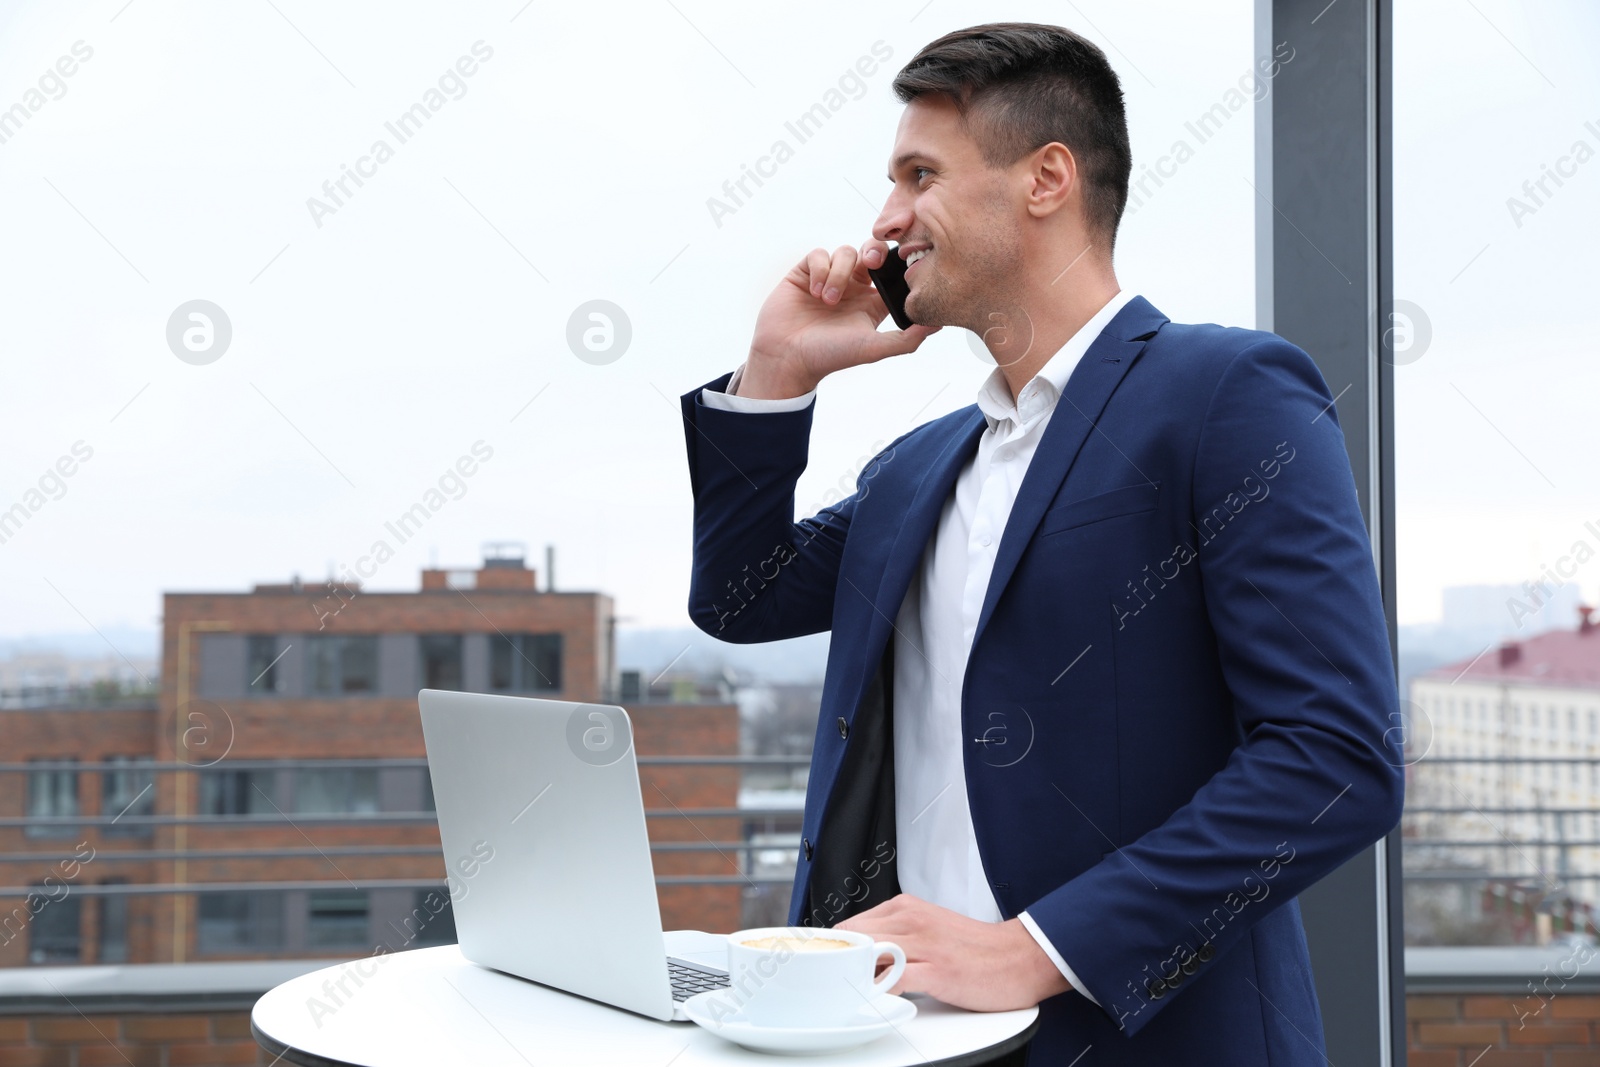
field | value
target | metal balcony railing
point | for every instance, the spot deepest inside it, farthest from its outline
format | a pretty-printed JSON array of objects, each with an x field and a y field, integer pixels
[{"x": 49, "y": 829}]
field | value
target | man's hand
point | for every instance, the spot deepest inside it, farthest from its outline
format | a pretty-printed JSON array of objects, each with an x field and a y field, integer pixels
[
  {"x": 965, "y": 962},
  {"x": 822, "y": 317}
]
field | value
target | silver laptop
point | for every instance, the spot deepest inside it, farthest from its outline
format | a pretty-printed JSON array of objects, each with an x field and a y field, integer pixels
[{"x": 546, "y": 854}]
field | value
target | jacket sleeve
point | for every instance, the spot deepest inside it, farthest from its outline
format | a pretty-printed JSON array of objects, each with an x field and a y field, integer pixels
[
  {"x": 758, "y": 575},
  {"x": 1294, "y": 602}
]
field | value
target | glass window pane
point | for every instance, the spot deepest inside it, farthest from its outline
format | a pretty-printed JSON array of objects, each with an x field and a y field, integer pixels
[
  {"x": 262, "y": 663},
  {"x": 237, "y": 792},
  {"x": 501, "y": 655},
  {"x": 336, "y": 790},
  {"x": 441, "y": 661},
  {"x": 359, "y": 664},
  {"x": 113, "y": 946},
  {"x": 525, "y": 662},
  {"x": 126, "y": 791},
  {"x": 52, "y": 793},
  {"x": 343, "y": 664},
  {"x": 336, "y": 918},
  {"x": 1496, "y": 534},
  {"x": 55, "y": 925},
  {"x": 544, "y": 660},
  {"x": 236, "y": 923}
]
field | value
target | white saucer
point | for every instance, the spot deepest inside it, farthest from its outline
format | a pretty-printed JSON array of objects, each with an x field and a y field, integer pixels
[{"x": 877, "y": 1018}]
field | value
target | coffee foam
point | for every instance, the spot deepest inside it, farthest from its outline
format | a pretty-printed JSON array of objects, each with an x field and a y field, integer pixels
[{"x": 797, "y": 944}]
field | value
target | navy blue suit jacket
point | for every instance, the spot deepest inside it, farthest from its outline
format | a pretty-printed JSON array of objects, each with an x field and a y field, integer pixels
[{"x": 1179, "y": 701}]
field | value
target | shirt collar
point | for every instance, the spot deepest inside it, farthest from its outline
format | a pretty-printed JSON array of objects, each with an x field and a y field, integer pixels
[{"x": 1044, "y": 388}]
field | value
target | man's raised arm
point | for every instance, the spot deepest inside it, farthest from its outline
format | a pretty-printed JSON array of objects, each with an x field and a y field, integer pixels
[{"x": 758, "y": 575}]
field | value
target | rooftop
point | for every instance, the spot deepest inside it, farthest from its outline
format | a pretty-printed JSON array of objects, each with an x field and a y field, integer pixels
[{"x": 1564, "y": 658}]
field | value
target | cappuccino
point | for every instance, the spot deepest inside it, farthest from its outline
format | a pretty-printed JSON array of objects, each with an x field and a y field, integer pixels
[{"x": 795, "y": 944}]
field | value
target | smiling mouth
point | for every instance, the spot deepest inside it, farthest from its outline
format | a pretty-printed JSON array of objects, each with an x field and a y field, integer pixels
[{"x": 916, "y": 257}]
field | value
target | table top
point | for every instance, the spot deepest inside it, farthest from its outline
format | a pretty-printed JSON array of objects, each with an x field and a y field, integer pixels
[{"x": 432, "y": 1006}]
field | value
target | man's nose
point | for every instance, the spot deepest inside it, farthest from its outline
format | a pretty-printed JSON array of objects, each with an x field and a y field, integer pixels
[{"x": 893, "y": 221}]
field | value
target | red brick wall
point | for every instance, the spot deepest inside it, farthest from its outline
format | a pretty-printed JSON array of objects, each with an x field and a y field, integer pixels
[
  {"x": 702, "y": 730},
  {"x": 1501, "y": 1030},
  {"x": 91, "y": 735}
]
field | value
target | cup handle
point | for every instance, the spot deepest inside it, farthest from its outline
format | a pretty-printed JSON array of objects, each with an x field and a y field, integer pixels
[{"x": 896, "y": 969}]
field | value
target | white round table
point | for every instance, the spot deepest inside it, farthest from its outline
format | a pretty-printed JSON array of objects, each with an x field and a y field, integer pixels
[{"x": 432, "y": 1006}]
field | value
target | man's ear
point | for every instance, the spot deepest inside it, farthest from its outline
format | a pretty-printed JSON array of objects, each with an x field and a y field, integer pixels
[{"x": 1052, "y": 174}]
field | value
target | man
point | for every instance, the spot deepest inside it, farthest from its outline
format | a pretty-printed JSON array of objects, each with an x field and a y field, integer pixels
[{"x": 1109, "y": 680}]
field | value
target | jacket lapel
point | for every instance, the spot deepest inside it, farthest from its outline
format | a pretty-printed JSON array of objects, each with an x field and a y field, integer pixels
[
  {"x": 926, "y": 504},
  {"x": 1089, "y": 387}
]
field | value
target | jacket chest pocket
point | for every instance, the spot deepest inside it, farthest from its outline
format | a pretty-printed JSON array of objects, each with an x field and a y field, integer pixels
[{"x": 1129, "y": 500}]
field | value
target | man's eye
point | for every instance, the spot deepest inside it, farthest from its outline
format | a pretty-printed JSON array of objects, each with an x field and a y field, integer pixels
[{"x": 919, "y": 172}]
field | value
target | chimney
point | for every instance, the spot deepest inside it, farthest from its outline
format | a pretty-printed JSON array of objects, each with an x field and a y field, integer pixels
[
  {"x": 550, "y": 568},
  {"x": 1586, "y": 623},
  {"x": 1510, "y": 653}
]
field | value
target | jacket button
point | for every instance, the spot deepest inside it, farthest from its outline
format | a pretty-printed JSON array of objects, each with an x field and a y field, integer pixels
[
  {"x": 1156, "y": 988},
  {"x": 844, "y": 728},
  {"x": 805, "y": 846},
  {"x": 1206, "y": 952}
]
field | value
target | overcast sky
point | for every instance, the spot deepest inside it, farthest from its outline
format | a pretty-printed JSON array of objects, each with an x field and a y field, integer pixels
[{"x": 377, "y": 338}]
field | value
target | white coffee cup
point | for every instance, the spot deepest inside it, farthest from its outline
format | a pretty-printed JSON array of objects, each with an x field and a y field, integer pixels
[{"x": 800, "y": 976}]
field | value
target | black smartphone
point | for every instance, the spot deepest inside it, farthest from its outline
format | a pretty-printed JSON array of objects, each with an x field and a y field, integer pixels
[{"x": 890, "y": 281}]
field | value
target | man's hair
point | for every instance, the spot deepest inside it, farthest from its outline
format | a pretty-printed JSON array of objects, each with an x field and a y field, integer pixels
[{"x": 1019, "y": 86}]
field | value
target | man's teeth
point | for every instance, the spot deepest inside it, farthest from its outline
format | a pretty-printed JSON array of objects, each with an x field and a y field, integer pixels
[{"x": 913, "y": 257}]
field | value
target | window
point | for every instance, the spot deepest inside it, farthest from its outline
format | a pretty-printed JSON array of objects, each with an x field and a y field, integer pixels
[
  {"x": 55, "y": 930},
  {"x": 441, "y": 661},
  {"x": 237, "y": 792},
  {"x": 240, "y": 922},
  {"x": 113, "y": 939},
  {"x": 432, "y": 920},
  {"x": 335, "y": 790},
  {"x": 52, "y": 794},
  {"x": 344, "y": 664},
  {"x": 525, "y": 662},
  {"x": 261, "y": 655},
  {"x": 336, "y": 918},
  {"x": 126, "y": 791}
]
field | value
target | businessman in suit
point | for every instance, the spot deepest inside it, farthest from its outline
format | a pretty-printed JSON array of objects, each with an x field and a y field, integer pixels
[{"x": 1109, "y": 681}]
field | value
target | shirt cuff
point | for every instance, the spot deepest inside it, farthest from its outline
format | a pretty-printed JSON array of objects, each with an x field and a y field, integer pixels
[
  {"x": 1055, "y": 957},
  {"x": 730, "y": 402}
]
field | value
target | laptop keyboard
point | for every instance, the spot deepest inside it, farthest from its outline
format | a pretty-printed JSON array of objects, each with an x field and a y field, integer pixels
[{"x": 691, "y": 978}]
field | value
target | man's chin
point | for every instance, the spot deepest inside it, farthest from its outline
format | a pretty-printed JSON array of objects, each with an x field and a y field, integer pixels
[{"x": 926, "y": 312}]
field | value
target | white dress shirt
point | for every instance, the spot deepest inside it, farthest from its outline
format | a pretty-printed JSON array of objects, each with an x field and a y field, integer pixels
[{"x": 936, "y": 848}]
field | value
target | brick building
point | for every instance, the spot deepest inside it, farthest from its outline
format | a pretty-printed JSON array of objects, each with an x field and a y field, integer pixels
[{"x": 280, "y": 765}]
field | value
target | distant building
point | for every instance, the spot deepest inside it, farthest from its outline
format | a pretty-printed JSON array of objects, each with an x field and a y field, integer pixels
[
  {"x": 1533, "y": 707},
  {"x": 281, "y": 716}
]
